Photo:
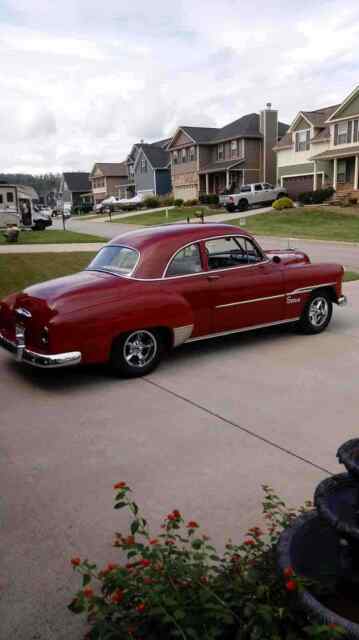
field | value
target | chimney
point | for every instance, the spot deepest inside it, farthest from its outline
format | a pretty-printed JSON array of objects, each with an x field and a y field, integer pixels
[{"x": 268, "y": 126}]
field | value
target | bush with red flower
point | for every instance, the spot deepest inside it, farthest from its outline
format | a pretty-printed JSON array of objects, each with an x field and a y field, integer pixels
[{"x": 176, "y": 585}]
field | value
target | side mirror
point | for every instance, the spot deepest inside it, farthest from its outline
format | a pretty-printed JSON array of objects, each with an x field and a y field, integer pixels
[{"x": 276, "y": 259}]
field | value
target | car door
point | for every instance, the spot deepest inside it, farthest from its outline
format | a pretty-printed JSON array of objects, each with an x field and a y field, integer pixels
[
  {"x": 258, "y": 193},
  {"x": 247, "y": 289},
  {"x": 268, "y": 194},
  {"x": 186, "y": 277}
]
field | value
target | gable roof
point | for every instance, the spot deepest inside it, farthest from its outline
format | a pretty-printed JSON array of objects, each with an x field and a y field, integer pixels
[
  {"x": 158, "y": 157},
  {"x": 111, "y": 168},
  {"x": 161, "y": 143},
  {"x": 77, "y": 181},
  {"x": 245, "y": 127},
  {"x": 343, "y": 104},
  {"x": 316, "y": 118}
]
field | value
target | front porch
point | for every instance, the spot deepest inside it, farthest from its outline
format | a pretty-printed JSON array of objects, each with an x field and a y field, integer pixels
[
  {"x": 216, "y": 182},
  {"x": 343, "y": 174}
]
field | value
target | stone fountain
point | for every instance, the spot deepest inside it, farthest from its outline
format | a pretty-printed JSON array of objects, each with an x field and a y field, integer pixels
[{"x": 323, "y": 546}]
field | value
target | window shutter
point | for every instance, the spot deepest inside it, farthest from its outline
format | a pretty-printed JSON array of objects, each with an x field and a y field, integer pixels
[
  {"x": 336, "y": 134},
  {"x": 296, "y": 142},
  {"x": 307, "y": 146},
  {"x": 355, "y": 135},
  {"x": 350, "y": 126}
]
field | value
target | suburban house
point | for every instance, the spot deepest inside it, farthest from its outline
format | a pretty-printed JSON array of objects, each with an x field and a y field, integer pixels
[
  {"x": 321, "y": 148},
  {"x": 149, "y": 168},
  {"x": 74, "y": 187},
  {"x": 210, "y": 160},
  {"x": 108, "y": 179}
]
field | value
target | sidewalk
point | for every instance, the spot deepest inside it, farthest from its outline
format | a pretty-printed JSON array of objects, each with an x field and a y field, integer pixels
[{"x": 124, "y": 214}]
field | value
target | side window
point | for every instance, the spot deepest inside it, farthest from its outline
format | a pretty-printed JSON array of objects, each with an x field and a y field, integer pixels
[
  {"x": 245, "y": 188},
  {"x": 257, "y": 187},
  {"x": 185, "y": 262},
  {"x": 227, "y": 252},
  {"x": 10, "y": 196},
  {"x": 267, "y": 186}
]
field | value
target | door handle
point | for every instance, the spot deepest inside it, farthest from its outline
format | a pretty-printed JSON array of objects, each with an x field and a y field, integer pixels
[{"x": 213, "y": 276}]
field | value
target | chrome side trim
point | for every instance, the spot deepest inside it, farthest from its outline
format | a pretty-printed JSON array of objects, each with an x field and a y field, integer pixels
[
  {"x": 181, "y": 334},
  {"x": 41, "y": 360},
  {"x": 234, "y": 304},
  {"x": 250, "y": 328},
  {"x": 310, "y": 287},
  {"x": 342, "y": 301}
]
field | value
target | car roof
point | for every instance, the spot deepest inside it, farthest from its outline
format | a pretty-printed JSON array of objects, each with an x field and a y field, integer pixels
[{"x": 156, "y": 245}]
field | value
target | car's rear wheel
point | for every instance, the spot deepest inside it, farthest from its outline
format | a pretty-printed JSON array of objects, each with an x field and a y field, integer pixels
[
  {"x": 317, "y": 313},
  {"x": 230, "y": 207},
  {"x": 242, "y": 205},
  {"x": 281, "y": 195},
  {"x": 137, "y": 353}
]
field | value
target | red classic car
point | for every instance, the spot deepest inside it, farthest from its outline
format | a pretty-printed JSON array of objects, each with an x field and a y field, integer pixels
[{"x": 153, "y": 289}]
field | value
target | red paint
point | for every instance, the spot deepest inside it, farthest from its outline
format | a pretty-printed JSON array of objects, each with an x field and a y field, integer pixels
[{"x": 87, "y": 311}]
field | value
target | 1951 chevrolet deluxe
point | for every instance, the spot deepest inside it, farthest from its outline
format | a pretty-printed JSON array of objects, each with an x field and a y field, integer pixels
[{"x": 153, "y": 289}]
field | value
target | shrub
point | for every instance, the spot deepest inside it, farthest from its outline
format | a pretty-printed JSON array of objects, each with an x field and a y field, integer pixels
[
  {"x": 151, "y": 202},
  {"x": 316, "y": 197},
  {"x": 283, "y": 203},
  {"x": 176, "y": 585},
  {"x": 178, "y": 202},
  {"x": 353, "y": 201},
  {"x": 209, "y": 198},
  {"x": 191, "y": 203},
  {"x": 167, "y": 201}
]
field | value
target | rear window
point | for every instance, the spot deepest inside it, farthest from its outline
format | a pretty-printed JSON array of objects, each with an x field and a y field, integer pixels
[{"x": 121, "y": 260}]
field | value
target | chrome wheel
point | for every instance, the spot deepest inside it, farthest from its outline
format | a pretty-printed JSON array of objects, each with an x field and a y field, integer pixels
[
  {"x": 318, "y": 311},
  {"x": 140, "y": 349}
]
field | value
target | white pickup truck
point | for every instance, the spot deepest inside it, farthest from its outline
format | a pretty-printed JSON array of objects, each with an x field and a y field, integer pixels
[{"x": 253, "y": 194}]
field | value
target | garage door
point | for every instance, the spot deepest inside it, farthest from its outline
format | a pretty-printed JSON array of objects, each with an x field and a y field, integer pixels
[
  {"x": 186, "y": 192},
  {"x": 298, "y": 184}
]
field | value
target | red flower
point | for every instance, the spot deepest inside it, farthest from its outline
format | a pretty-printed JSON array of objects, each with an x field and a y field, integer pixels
[
  {"x": 144, "y": 562},
  {"x": 249, "y": 542},
  {"x": 169, "y": 542},
  {"x": 88, "y": 592},
  {"x": 75, "y": 562},
  {"x": 129, "y": 540},
  {"x": 117, "y": 596},
  {"x": 288, "y": 572},
  {"x": 176, "y": 514},
  {"x": 291, "y": 585},
  {"x": 154, "y": 541},
  {"x": 120, "y": 485},
  {"x": 192, "y": 525},
  {"x": 141, "y": 607}
]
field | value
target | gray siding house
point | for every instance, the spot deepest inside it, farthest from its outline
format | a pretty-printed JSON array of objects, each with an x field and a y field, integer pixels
[{"x": 152, "y": 170}]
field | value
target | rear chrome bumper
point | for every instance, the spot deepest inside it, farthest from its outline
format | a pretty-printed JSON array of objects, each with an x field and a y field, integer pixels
[
  {"x": 342, "y": 301},
  {"x": 41, "y": 360}
]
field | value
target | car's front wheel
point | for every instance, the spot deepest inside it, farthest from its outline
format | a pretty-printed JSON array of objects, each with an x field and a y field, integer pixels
[
  {"x": 137, "y": 353},
  {"x": 317, "y": 313},
  {"x": 242, "y": 205}
]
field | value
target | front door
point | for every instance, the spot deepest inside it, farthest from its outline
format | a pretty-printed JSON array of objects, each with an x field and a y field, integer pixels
[{"x": 246, "y": 288}]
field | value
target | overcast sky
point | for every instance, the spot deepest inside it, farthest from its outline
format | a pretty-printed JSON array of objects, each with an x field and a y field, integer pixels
[{"x": 81, "y": 81}]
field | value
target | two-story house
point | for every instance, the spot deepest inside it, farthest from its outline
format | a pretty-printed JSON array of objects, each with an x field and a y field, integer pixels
[
  {"x": 149, "y": 168},
  {"x": 208, "y": 160},
  {"x": 321, "y": 148},
  {"x": 74, "y": 186},
  {"x": 108, "y": 179}
]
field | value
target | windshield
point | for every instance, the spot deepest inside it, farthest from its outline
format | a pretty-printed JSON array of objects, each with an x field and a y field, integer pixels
[{"x": 121, "y": 260}]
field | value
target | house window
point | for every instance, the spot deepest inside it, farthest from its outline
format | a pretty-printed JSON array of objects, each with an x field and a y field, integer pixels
[
  {"x": 184, "y": 155},
  {"x": 191, "y": 154},
  {"x": 342, "y": 133},
  {"x": 10, "y": 196},
  {"x": 1, "y": 199},
  {"x": 175, "y": 157},
  {"x": 220, "y": 152},
  {"x": 302, "y": 140},
  {"x": 234, "y": 149},
  {"x": 355, "y": 133},
  {"x": 143, "y": 165}
]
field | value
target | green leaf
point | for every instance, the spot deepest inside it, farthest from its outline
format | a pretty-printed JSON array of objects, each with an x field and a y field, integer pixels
[
  {"x": 76, "y": 606},
  {"x": 134, "y": 526},
  {"x": 86, "y": 579},
  {"x": 120, "y": 505}
]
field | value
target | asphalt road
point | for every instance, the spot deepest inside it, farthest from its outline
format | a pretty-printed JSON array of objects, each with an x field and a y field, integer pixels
[
  {"x": 344, "y": 253},
  {"x": 202, "y": 434}
]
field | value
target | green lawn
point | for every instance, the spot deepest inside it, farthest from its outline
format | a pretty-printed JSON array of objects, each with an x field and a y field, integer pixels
[
  {"x": 351, "y": 275},
  {"x": 21, "y": 270},
  {"x": 52, "y": 237},
  {"x": 329, "y": 223},
  {"x": 174, "y": 215}
]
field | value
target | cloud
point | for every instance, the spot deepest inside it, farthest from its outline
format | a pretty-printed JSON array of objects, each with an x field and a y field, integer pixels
[{"x": 84, "y": 81}]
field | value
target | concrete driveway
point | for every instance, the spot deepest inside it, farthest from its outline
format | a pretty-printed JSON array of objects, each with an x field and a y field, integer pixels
[{"x": 217, "y": 420}]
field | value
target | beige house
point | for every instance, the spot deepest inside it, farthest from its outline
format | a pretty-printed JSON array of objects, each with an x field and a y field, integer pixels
[
  {"x": 108, "y": 179},
  {"x": 321, "y": 148},
  {"x": 208, "y": 160}
]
